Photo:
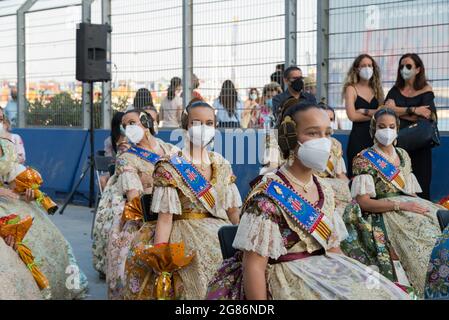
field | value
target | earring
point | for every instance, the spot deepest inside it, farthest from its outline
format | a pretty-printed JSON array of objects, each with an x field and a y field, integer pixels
[{"x": 291, "y": 158}]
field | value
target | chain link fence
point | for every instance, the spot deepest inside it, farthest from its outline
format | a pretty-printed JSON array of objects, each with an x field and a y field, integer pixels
[{"x": 239, "y": 41}]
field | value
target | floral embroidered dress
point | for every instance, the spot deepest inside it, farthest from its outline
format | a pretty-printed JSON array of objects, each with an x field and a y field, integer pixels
[
  {"x": 437, "y": 280},
  {"x": 193, "y": 224},
  {"x": 371, "y": 236},
  {"x": 130, "y": 172},
  {"x": 298, "y": 266},
  {"x": 53, "y": 254},
  {"x": 336, "y": 165}
]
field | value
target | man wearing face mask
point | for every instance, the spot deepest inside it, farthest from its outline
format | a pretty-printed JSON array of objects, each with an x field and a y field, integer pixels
[{"x": 294, "y": 82}]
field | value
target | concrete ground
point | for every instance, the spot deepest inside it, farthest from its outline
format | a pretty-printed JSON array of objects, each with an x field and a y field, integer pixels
[{"x": 75, "y": 223}]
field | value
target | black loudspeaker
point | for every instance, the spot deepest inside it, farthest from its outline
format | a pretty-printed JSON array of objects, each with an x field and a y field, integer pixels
[{"x": 91, "y": 53}]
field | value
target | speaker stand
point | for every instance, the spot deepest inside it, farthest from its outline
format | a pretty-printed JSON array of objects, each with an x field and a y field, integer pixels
[{"x": 90, "y": 162}]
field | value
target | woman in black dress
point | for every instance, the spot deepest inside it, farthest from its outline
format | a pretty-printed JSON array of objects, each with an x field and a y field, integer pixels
[
  {"x": 412, "y": 99},
  {"x": 363, "y": 94}
]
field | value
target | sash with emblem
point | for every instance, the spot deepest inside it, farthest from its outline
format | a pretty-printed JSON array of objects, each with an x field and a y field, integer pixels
[
  {"x": 144, "y": 154},
  {"x": 196, "y": 182},
  {"x": 388, "y": 170},
  {"x": 310, "y": 218}
]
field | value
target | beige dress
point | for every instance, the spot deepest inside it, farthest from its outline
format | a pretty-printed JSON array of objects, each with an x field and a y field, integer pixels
[
  {"x": 53, "y": 254},
  {"x": 411, "y": 235},
  {"x": 267, "y": 229},
  {"x": 172, "y": 195},
  {"x": 129, "y": 171},
  {"x": 16, "y": 281}
]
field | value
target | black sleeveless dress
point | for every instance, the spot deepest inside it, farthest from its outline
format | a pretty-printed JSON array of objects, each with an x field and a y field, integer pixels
[
  {"x": 422, "y": 158},
  {"x": 359, "y": 138}
]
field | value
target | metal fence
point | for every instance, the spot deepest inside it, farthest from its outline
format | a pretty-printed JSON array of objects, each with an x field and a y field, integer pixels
[{"x": 235, "y": 40}]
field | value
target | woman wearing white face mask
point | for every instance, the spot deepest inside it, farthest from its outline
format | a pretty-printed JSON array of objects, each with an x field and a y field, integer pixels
[
  {"x": 289, "y": 222},
  {"x": 390, "y": 224},
  {"x": 412, "y": 99},
  {"x": 132, "y": 179},
  {"x": 363, "y": 94},
  {"x": 195, "y": 194}
]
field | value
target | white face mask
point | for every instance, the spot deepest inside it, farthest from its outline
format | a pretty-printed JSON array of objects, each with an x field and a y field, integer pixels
[
  {"x": 407, "y": 74},
  {"x": 386, "y": 136},
  {"x": 366, "y": 73},
  {"x": 134, "y": 133},
  {"x": 2, "y": 127},
  {"x": 253, "y": 96},
  {"x": 201, "y": 135},
  {"x": 315, "y": 153}
]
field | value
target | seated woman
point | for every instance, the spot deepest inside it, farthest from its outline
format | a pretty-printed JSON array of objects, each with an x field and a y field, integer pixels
[
  {"x": 51, "y": 250},
  {"x": 289, "y": 237},
  {"x": 437, "y": 280},
  {"x": 390, "y": 223},
  {"x": 132, "y": 179},
  {"x": 115, "y": 145},
  {"x": 334, "y": 173},
  {"x": 16, "y": 281},
  {"x": 185, "y": 214}
]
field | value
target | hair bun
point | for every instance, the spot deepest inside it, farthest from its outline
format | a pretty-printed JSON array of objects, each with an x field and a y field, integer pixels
[{"x": 287, "y": 138}]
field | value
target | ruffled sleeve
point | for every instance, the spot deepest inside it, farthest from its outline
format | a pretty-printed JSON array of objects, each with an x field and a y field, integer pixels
[
  {"x": 363, "y": 181},
  {"x": 128, "y": 177},
  {"x": 232, "y": 197},
  {"x": 339, "y": 231},
  {"x": 340, "y": 166},
  {"x": 412, "y": 184},
  {"x": 363, "y": 184},
  {"x": 258, "y": 230},
  {"x": 165, "y": 195}
]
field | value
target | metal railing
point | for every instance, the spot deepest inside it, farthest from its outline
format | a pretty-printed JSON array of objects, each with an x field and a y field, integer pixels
[{"x": 235, "y": 40}]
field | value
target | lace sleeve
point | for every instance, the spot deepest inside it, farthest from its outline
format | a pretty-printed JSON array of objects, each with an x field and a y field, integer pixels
[
  {"x": 259, "y": 229},
  {"x": 363, "y": 184},
  {"x": 339, "y": 231},
  {"x": 165, "y": 194},
  {"x": 166, "y": 200},
  {"x": 412, "y": 184}
]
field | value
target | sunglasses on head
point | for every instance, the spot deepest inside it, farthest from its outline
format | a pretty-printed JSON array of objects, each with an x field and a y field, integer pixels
[{"x": 408, "y": 66}]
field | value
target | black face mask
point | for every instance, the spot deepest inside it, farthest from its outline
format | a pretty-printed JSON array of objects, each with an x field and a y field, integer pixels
[{"x": 297, "y": 85}]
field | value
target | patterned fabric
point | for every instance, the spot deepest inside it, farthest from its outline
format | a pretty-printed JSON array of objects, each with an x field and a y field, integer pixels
[
  {"x": 52, "y": 252},
  {"x": 330, "y": 276},
  {"x": 198, "y": 235},
  {"x": 437, "y": 280},
  {"x": 412, "y": 236},
  {"x": 133, "y": 173},
  {"x": 16, "y": 281}
]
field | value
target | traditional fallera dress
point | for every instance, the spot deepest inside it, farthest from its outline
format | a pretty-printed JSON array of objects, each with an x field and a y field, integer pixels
[
  {"x": 131, "y": 167},
  {"x": 16, "y": 281},
  {"x": 437, "y": 280},
  {"x": 199, "y": 209},
  {"x": 293, "y": 234},
  {"x": 53, "y": 254},
  {"x": 371, "y": 236}
]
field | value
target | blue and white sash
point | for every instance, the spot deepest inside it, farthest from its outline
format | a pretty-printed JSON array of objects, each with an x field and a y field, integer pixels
[
  {"x": 144, "y": 154},
  {"x": 310, "y": 218},
  {"x": 388, "y": 170},
  {"x": 196, "y": 182}
]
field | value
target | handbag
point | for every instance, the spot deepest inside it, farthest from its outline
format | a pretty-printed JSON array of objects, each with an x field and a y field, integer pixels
[{"x": 421, "y": 134}]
